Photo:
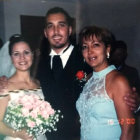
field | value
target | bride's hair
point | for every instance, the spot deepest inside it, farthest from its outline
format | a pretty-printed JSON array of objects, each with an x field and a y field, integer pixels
[{"x": 16, "y": 38}]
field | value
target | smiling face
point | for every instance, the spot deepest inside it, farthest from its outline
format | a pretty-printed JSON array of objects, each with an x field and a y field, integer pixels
[
  {"x": 22, "y": 56},
  {"x": 57, "y": 31},
  {"x": 95, "y": 53}
]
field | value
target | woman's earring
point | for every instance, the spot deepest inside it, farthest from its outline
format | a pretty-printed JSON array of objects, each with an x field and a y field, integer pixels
[{"x": 108, "y": 55}]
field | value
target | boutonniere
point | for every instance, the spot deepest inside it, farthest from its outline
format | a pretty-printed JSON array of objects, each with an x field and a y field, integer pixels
[{"x": 81, "y": 76}]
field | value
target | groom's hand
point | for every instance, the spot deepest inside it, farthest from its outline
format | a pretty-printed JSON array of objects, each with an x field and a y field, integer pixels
[
  {"x": 3, "y": 84},
  {"x": 132, "y": 100}
]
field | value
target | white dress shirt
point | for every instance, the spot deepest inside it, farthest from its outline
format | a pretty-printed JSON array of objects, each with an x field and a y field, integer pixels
[{"x": 64, "y": 55}]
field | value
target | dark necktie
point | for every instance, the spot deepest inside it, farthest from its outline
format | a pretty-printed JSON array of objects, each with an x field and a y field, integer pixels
[{"x": 57, "y": 67}]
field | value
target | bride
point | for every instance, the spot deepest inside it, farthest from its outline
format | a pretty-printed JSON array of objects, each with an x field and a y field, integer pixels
[{"x": 22, "y": 57}]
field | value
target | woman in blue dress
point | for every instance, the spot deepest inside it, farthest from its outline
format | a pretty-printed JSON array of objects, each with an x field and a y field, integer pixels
[{"x": 103, "y": 113}]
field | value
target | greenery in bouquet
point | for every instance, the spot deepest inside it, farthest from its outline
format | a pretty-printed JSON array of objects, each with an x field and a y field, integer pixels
[{"x": 33, "y": 114}]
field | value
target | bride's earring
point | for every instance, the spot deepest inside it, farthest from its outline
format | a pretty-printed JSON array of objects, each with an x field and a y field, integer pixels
[{"x": 108, "y": 55}]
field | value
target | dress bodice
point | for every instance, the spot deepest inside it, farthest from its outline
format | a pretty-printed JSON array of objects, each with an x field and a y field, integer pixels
[
  {"x": 96, "y": 109},
  {"x": 15, "y": 94}
]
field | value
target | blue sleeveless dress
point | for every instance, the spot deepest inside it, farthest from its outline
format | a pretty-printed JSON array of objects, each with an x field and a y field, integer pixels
[{"x": 97, "y": 111}]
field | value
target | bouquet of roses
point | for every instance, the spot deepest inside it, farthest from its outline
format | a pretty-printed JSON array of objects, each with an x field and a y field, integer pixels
[{"x": 30, "y": 112}]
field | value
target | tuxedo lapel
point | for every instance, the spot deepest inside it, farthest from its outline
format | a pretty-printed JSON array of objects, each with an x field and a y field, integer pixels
[
  {"x": 74, "y": 63},
  {"x": 46, "y": 69}
]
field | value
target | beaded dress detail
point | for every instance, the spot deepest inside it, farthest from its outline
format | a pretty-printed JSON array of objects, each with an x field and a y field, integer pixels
[{"x": 98, "y": 117}]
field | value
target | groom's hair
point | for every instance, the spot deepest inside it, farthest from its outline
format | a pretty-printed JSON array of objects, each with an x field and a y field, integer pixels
[{"x": 57, "y": 10}]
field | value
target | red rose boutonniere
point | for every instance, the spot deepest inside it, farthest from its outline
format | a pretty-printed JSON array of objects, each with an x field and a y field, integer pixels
[{"x": 81, "y": 76}]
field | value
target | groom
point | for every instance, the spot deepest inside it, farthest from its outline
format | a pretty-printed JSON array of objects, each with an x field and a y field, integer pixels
[{"x": 57, "y": 73}]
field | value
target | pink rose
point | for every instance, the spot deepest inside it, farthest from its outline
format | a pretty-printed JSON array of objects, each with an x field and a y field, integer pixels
[
  {"x": 31, "y": 124},
  {"x": 28, "y": 105},
  {"x": 44, "y": 114},
  {"x": 34, "y": 113},
  {"x": 25, "y": 112}
]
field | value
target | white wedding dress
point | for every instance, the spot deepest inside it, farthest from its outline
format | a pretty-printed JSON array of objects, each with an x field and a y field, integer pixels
[{"x": 17, "y": 94}]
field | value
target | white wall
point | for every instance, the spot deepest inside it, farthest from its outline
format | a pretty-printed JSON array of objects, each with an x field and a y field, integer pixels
[{"x": 14, "y": 8}]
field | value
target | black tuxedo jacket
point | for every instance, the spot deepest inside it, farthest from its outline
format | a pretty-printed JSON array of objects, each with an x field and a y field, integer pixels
[{"x": 62, "y": 94}]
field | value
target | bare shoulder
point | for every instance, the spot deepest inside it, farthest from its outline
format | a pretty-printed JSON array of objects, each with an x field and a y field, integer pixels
[
  {"x": 117, "y": 84},
  {"x": 11, "y": 85},
  {"x": 117, "y": 78}
]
